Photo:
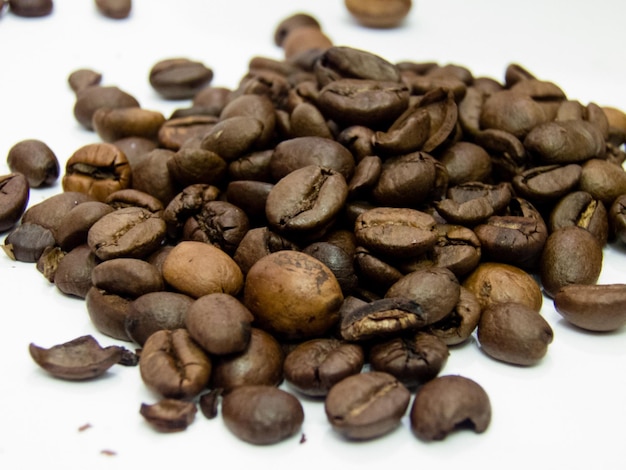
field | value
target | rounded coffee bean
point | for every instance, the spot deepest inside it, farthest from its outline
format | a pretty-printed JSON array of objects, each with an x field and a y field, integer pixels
[
  {"x": 14, "y": 196},
  {"x": 131, "y": 232},
  {"x": 314, "y": 366},
  {"x": 617, "y": 218},
  {"x": 27, "y": 242},
  {"x": 75, "y": 225},
  {"x": 600, "y": 307},
  {"x": 257, "y": 243},
  {"x": 50, "y": 212},
  {"x": 367, "y": 405},
  {"x": 179, "y": 78},
  {"x": 465, "y": 162},
  {"x": 219, "y": 323},
  {"x": 262, "y": 414},
  {"x": 379, "y": 13},
  {"x": 559, "y": 268},
  {"x": 260, "y": 363},
  {"x": 36, "y": 161},
  {"x": 73, "y": 273},
  {"x": 448, "y": 403},
  {"x": 197, "y": 269},
  {"x": 456, "y": 327},
  {"x": 83, "y": 78},
  {"x": 173, "y": 365},
  {"x": 31, "y": 8},
  {"x": 514, "y": 333},
  {"x": 118, "y": 123},
  {"x": 293, "y": 295},
  {"x": 116, "y": 9},
  {"x": 604, "y": 180},
  {"x": 561, "y": 142},
  {"x": 108, "y": 313},
  {"x": 290, "y": 23},
  {"x": 155, "y": 311},
  {"x": 91, "y": 98},
  {"x": 128, "y": 277},
  {"x": 499, "y": 282}
]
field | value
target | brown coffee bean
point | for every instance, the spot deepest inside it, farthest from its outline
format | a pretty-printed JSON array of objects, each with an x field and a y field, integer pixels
[
  {"x": 176, "y": 131},
  {"x": 367, "y": 405},
  {"x": 179, "y": 78},
  {"x": 83, "y": 78},
  {"x": 50, "y": 212},
  {"x": 379, "y": 13},
  {"x": 36, "y": 161},
  {"x": 565, "y": 142},
  {"x": 466, "y": 162},
  {"x": 174, "y": 365},
  {"x": 128, "y": 277},
  {"x": 473, "y": 203},
  {"x": 14, "y": 197},
  {"x": 579, "y": 208},
  {"x": 457, "y": 327},
  {"x": 31, "y": 8},
  {"x": 118, "y": 123},
  {"x": 79, "y": 359},
  {"x": 75, "y": 225},
  {"x": 116, "y": 9},
  {"x": 27, "y": 242},
  {"x": 91, "y": 98},
  {"x": 303, "y": 40},
  {"x": 169, "y": 414},
  {"x": 511, "y": 111},
  {"x": 73, "y": 273},
  {"x": 108, "y": 313},
  {"x": 134, "y": 198},
  {"x": 287, "y": 25},
  {"x": 617, "y": 218},
  {"x": 448, "y": 403},
  {"x": 261, "y": 414},
  {"x": 604, "y": 180},
  {"x": 543, "y": 184},
  {"x": 597, "y": 307},
  {"x": 514, "y": 333}
]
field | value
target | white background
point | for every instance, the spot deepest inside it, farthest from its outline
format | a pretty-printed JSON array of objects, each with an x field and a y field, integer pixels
[{"x": 567, "y": 412}]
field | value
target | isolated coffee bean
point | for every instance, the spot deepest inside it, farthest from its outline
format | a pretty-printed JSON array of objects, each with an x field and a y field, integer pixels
[
  {"x": 14, "y": 197},
  {"x": 448, "y": 403},
  {"x": 288, "y": 24},
  {"x": 367, "y": 405},
  {"x": 179, "y": 78},
  {"x": 599, "y": 307},
  {"x": 262, "y": 414},
  {"x": 379, "y": 13},
  {"x": 31, "y": 8},
  {"x": 514, "y": 333},
  {"x": 314, "y": 366},
  {"x": 174, "y": 365},
  {"x": 36, "y": 161},
  {"x": 116, "y": 9}
]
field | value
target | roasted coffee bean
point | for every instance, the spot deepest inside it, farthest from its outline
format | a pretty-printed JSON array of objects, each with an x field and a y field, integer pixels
[
  {"x": 75, "y": 225},
  {"x": 314, "y": 366},
  {"x": 379, "y": 13},
  {"x": 473, "y": 203},
  {"x": 131, "y": 232},
  {"x": 261, "y": 414},
  {"x": 128, "y": 277},
  {"x": 604, "y": 180},
  {"x": 176, "y": 131},
  {"x": 507, "y": 152},
  {"x": 514, "y": 333},
  {"x": 97, "y": 170},
  {"x": 303, "y": 41},
  {"x": 233, "y": 137},
  {"x": 151, "y": 175},
  {"x": 306, "y": 201},
  {"x": 375, "y": 272},
  {"x": 293, "y": 295},
  {"x": 259, "y": 107},
  {"x": 135, "y": 148},
  {"x": 74, "y": 270},
  {"x": 14, "y": 197},
  {"x": 251, "y": 197},
  {"x": 599, "y": 307},
  {"x": 447, "y": 404},
  {"x": 134, "y": 198},
  {"x": 219, "y": 323},
  {"x": 511, "y": 111},
  {"x": 169, "y": 414},
  {"x": 559, "y": 268},
  {"x": 347, "y": 62},
  {"x": 543, "y": 184},
  {"x": 187, "y": 203},
  {"x": 457, "y": 327},
  {"x": 115, "y": 9},
  {"x": 108, "y": 313},
  {"x": 260, "y": 363},
  {"x": 48, "y": 262},
  {"x": 212, "y": 99},
  {"x": 83, "y": 78},
  {"x": 338, "y": 260},
  {"x": 306, "y": 120},
  {"x": 466, "y": 162},
  {"x": 500, "y": 282},
  {"x": 79, "y": 359},
  {"x": 174, "y": 365},
  {"x": 196, "y": 166},
  {"x": 196, "y": 269},
  {"x": 257, "y": 243},
  {"x": 413, "y": 359},
  {"x": 36, "y": 161},
  {"x": 617, "y": 218},
  {"x": 580, "y": 209},
  {"x": 254, "y": 166},
  {"x": 91, "y": 98},
  {"x": 27, "y": 242},
  {"x": 31, "y": 8},
  {"x": 565, "y": 142},
  {"x": 118, "y": 123},
  {"x": 50, "y": 212},
  {"x": 154, "y": 311},
  {"x": 179, "y": 78},
  {"x": 287, "y": 25},
  {"x": 209, "y": 403},
  {"x": 367, "y": 405}
]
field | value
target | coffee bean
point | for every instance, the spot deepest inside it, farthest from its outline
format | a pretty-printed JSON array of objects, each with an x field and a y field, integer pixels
[
  {"x": 128, "y": 277},
  {"x": 179, "y": 78},
  {"x": 27, "y": 242},
  {"x": 597, "y": 307},
  {"x": 14, "y": 197},
  {"x": 75, "y": 225},
  {"x": 261, "y": 414},
  {"x": 91, "y": 98},
  {"x": 379, "y": 13},
  {"x": 83, "y": 78},
  {"x": 367, "y": 405},
  {"x": 169, "y": 414},
  {"x": 118, "y": 123},
  {"x": 108, "y": 312},
  {"x": 287, "y": 25},
  {"x": 73, "y": 273},
  {"x": 35, "y": 160},
  {"x": 31, "y": 8},
  {"x": 580, "y": 209},
  {"x": 617, "y": 218},
  {"x": 115, "y": 9},
  {"x": 448, "y": 403}
]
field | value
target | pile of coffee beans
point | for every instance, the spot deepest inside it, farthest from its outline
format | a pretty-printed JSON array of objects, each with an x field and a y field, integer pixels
[{"x": 335, "y": 223}]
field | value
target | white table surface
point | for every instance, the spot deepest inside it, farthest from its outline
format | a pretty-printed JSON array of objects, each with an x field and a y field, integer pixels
[{"x": 567, "y": 412}]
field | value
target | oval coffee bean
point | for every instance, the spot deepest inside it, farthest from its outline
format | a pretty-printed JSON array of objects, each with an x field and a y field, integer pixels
[
  {"x": 262, "y": 414},
  {"x": 565, "y": 142},
  {"x": 91, "y": 98},
  {"x": 128, "y": 277},
  {"x": 14, "y": 196},
  {"x": 379, "y": 14},
  {"x": 447, "y": 403},
  {"x": 179, "y": 78},
  {"x": 367, "y": 405},
  {"x": 36, "y": 161},
  {"x": 600, "y": 307}
]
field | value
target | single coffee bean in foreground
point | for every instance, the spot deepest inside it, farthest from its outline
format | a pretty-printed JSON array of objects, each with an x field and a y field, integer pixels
[
  {"x": 36, "y": 161},
  {"x": 597, "y": 307}
]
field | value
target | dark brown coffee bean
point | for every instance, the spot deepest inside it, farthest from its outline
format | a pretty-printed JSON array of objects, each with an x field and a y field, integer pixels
[
  {"x": 314, "y": 366},
  {"x": 457, "y": 248},
  {"x": 287, "y": 25},
  {"x": 604, "y": 180},
  {"x": 600, "y": 307},
  {"x": 50, "y": 212},
  {"x": 251, "y": 197},
  {"x": 209, "y": 403},
  {"x": 128, "y": 277},
  {"x": 14, "y": 197},
  {"x": 579, "y": 208},
  {"x": 97, "y": 170},
  {"x": 543, "y": 184},
  {"x": 83, "y": 78},
  {"x": 174, "y": 365},
  {"x": 79, "y": 359},
  {"x": 185, "y": 204},
  {"x": 259, "y": 107},
  {"x": 261, "y": 363},
  {"x": 457, "y": 327},
  {"x": 155, "y": 311},
  {"x": 347, "y": 62},
  {"x": 179, "y": 78},
  {"x": 134, "y": 198},
  {"x": 197, "y": 269},
  {"x": 413, "y": 358},
  {"x": 91, "y": 98},
  {"x": 374, "y": 271},
  {"x": 196, "y": 166},
  {"x": 508, "y": 155},
  {"x": 75, "y": 225},
  {"x": 293, "y": 295},
  {"x": 151, "y": 175},
  {"x": 31, "y": 8},
  {"x": 466, "y": 162},
  {"x": 500, "y": 282},
  {"x": 219, "y": 323},
  {"x": 36, "y": 161},
  {"x": 379, "y": 14},
  {"x": 565, "y": 142},
  {"x": 118, "y": 123},
  {"x": 617, "y": 218},
  {"x": 511, "y": 111},
  {"x": 131, "y": 232},
  {"x": 233, "y": 137},
  {"x": 254, "y": 166},
  {"x": 108, "y": 313},
  {"x": 116, "y": 9},
  {"x": 367, "y": 405},
  {"x": 449, "y": 403},
  {"x": 261, "y": 414},
  {"x": 27, "y": 242},
  {"x": 514, "y": 333},
  {"x": 473, "y": 203},
  {"x": 559, "y": 268},
  {"x": 257, "y": 243},
  {"x": 169, "y": 414},
  {"x": 74, "y": 269},
  {"x": 338, "y": 260},
  {"x": 177, "y": 131}
]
